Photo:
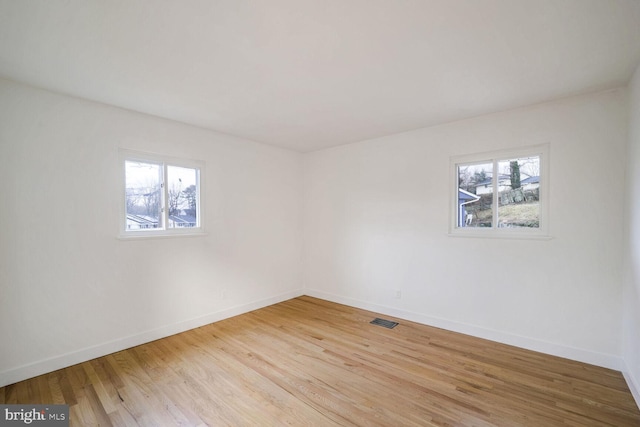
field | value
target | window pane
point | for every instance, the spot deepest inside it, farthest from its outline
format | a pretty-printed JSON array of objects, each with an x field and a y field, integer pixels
[
  {"x": 519, "y": 188},
  {"x": 475, "y": 195},
  {"x": 183, "y": 197},
  {"x": 143, "y": 195}
]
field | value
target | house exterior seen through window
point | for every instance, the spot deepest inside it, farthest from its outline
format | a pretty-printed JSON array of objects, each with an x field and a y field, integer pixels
[
  {"x": 501, "y": 193},
  {"x": 161, "y": 196}
]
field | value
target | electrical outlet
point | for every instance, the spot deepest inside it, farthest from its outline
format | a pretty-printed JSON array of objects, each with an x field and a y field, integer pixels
[{"x": 398, "y": 294}]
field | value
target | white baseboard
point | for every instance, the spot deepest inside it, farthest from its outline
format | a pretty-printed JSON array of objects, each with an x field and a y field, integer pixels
[
  {"x": 633, "y": 383},
  {"x": 594, "y": 358},
  {"x": 62, "y": 361}
]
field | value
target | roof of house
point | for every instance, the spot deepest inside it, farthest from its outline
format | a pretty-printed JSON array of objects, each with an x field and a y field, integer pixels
[
  {"x": 530, "y": 180},
  {"x": 142, "y": 219},
  {"x": 189, "y": 219},
  {"x": 465, "y": 196},
  {"x": 489, "y": 180}
]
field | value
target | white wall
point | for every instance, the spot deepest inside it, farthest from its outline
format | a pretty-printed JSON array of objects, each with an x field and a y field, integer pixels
[
  {"x": 631, "y": 296},
  {"x": 70, "y": 290},
  {"x": 376, "y": 218}
]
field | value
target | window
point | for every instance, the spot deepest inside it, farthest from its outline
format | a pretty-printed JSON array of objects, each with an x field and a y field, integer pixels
[
  {"x": 501, "y": 194},
  {"x": 161, "y": 195}
]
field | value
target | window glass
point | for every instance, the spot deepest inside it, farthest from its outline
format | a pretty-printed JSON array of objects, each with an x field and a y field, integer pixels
[
  {"x": 475, "y": 195},
  {"x": 182, "y": 195},
  {"x": 143, "y": 191},
  {"x": 519, "y": 192}
]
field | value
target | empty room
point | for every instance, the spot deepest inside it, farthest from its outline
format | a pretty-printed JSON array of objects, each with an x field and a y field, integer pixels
[{"x": 320, "y": 212}]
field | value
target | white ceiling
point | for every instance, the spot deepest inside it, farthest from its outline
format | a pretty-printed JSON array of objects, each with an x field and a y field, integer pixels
[{"x": 308, "y": 74}]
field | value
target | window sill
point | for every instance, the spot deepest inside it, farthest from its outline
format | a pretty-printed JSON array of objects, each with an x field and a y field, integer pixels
[
  {"x": 498, "y": 235},
  {"x": 159, "y": 235}
]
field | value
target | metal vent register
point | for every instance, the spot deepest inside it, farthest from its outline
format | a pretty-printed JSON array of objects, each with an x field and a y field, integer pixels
[{"x": 385, "y": 323}]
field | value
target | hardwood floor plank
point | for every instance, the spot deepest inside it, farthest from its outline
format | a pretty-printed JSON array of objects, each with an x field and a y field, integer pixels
[
  {"x": 10, "y": 394},
  {"x": 98, "y": 388},
  {"x": 53, "y": 381},
  {"x": 64, "y": 380},
  {"x": 97, "y": 407},
  {"x": 312, "y": 362}
]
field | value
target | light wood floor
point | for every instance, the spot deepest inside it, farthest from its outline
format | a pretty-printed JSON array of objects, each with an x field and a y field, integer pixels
[{"x": 312, "y": 362}]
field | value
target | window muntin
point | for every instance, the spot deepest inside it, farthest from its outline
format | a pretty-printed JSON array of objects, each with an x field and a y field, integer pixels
[
  {"x": 162, "y": 196},
  {"x": 500, "y": 193}
]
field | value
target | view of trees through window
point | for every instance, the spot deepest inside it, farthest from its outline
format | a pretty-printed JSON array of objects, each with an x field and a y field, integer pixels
[
  {"x": 500, "y": 193},
  {"x": 146, "y": 200},
  {"x": 182, "y": 196}
]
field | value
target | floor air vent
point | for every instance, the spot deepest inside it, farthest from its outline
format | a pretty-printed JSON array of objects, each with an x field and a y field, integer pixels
[{"x": 382, "y": 322}]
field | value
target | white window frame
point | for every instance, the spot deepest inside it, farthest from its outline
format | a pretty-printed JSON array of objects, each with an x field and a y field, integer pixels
[
  {"x": 164, "y": 161},
  {"x": 493, "y": 157}
]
